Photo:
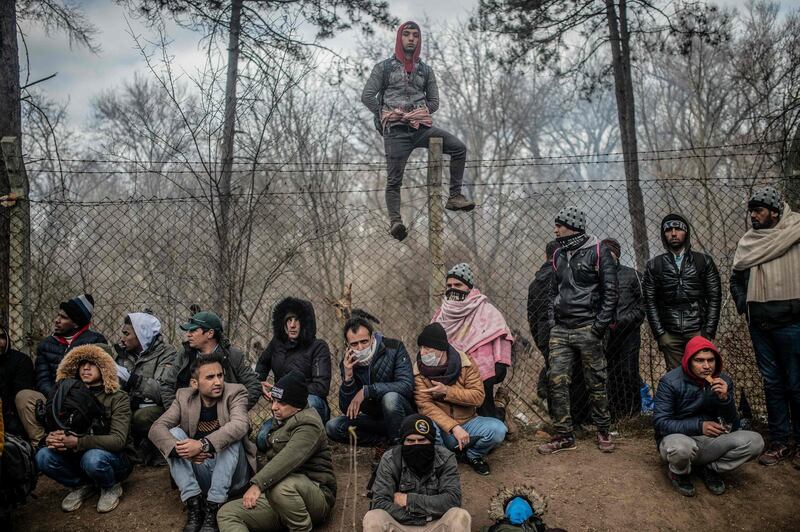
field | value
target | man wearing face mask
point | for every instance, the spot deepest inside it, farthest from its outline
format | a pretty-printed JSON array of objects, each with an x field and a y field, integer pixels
[
  {"x": 377, "y": 388},
  {"x": 765, "y": 284},
  {"x": 475, "y": 327},
  {"x": 295, "y": 346},
  {"x": 417, "y": 486},
  {"x": 682, "y": 292},
  {"x": 448, "y": 389}
]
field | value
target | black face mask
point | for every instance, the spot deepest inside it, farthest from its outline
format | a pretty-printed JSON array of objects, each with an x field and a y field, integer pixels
[
  {"x": 419, "y": 457},
  {"x": 454, "y": 294}
]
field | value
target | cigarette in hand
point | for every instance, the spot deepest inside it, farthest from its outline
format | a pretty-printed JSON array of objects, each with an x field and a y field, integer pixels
[{"x": 709, "y": 379}]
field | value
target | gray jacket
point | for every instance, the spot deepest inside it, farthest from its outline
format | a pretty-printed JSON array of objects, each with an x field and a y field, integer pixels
[
  {"x": 429, "y": 497},
  {"x": 148, "y": 370},
  {"x": 401, "y": 90}
]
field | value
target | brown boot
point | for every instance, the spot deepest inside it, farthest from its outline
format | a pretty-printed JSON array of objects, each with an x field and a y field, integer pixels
[{"x": 459, "y": 203}]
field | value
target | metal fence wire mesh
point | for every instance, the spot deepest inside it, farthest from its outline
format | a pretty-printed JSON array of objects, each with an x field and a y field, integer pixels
[{"x": 164, "y": 255}]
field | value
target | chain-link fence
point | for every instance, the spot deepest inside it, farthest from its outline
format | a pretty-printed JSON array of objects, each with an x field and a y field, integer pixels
[{"x": 166, "y": 255}]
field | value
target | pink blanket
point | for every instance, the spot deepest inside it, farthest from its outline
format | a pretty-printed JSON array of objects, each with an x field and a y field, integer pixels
[{"x": 477, "y": 328}]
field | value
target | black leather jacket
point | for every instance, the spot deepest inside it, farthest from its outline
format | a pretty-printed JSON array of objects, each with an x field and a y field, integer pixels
[
  {"x": 684, "y": 300},
  {"x": 630, "y": 307},
  {"x": 585, "y": 288}
]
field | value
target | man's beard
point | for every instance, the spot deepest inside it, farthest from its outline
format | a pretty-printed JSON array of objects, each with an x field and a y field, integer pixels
[
  {"x": 675, "y": 245},
  {"x": 758, "y": 225}
]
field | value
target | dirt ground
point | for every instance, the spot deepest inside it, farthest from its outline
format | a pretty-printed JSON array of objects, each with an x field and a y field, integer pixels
[{"x": 585, "y": 490}]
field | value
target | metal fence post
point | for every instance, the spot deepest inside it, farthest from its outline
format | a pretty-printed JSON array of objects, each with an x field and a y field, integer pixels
[
  {"x": 435, "y": 224},
  {"x": 19, "y": 292}
]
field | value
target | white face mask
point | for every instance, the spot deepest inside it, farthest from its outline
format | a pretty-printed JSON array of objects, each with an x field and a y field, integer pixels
[
  {"x": 429, "y": 359},
  {"x": 364, "y": 355}
]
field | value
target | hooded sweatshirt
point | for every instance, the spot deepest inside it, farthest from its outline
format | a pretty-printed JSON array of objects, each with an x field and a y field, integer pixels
[
  {"x": 684, "y": 401},
  {"x": 16, "y": 374},
  {"x": 146, "y": 326}
]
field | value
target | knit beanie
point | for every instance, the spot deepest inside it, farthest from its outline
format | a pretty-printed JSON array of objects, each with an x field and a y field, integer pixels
[
  {"x": 674, "y": 221},
  {"x": 291, "y": 389},
  {"x": 767, "y": 197},
  {"x": 433, "y": 336},
  {"x": 573, "y": 218},
  {"x": 79, "y": 309},
  {"x": 463, "y": 273},
  {"x": 418, "y": 424}
]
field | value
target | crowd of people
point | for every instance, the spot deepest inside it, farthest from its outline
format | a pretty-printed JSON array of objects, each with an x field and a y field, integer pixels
[{"x": 91, "y": 411}]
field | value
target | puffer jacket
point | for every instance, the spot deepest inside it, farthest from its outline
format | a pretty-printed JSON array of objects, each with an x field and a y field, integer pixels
[
  {"x": 585, "y": 287},
  {"x": 16, "y": 374},
  {"x": 150, "y": 367},
  {"x": 308, "y": 355},
  {"x": 234, "y": 361},
  {"x": 403, "y": 91},
  {"x": 388, "y": 371},
  {"x": 51, "y": 351},
  {"x": 766, "y": 316},
  {"x": 684, "y": 300},
  {"x": 298, "y": 445},
  {"x": 630, "y": 307},
  {"x": 429, "y": 497}
]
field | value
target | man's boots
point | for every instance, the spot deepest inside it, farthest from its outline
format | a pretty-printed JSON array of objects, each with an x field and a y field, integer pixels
[
  {"x": 194, "y": 514},
  {"x": 210, "y": 521}
]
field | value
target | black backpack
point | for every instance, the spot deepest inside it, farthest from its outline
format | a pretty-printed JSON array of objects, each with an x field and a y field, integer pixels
[
  {"x": 72, "y": 407},
  {"x": 18, "y": 472}
]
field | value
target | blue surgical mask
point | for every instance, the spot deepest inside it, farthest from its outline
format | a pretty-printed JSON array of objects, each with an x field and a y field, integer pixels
[{"x": 429, "y": 359}]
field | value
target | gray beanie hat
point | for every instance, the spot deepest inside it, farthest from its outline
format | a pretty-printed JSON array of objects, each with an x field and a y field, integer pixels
[
  {"x": 463, "y": 273},
  {"x": 572, "y": 217},
  {"x": 767, "y": 197}
]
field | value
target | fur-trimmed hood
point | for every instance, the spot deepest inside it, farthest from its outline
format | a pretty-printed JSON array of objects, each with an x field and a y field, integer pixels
[
  {"x": 98, "y": 355},
  {"x": 304, "y": 311},
  {"x": 497, "y": 505}
]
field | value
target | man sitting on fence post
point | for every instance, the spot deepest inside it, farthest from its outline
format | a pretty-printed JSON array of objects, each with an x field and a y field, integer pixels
[
  {"x": 682, "y": 291},
  {"x": 377, "y": 389},
  {"x": 584, "y": 304},
  {"x": 765, "y": 284},
  {"x": 696, "y": 422},
  {"x": 401, "y": 93},
  {"x": 203, "y": 436},
  {"x": 70, "y": 330},
  {"x": 296, "y": 489},
  {"x": 449, "y": 390},
  {"x": 417, "y": 486}
]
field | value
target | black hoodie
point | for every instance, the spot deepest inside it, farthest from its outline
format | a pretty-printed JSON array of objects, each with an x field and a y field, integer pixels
[
  {"x": 685, "y": 299},
  {"x": 307, "y": 355},
  {"x": 16, "y": 374}
]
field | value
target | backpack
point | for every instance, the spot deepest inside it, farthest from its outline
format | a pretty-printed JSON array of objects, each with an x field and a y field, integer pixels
[
  {"x": 386, "y": 69},
  {"x": 72, "y": 407},
  {"x": 18, "y": 474}
]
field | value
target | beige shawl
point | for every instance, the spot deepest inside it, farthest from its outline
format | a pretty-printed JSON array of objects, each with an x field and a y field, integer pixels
[{"x": 773, "y": 257}]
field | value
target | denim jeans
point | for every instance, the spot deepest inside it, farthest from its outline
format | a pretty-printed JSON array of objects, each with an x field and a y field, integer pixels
[
  {"x": 314, "y": 401},
  {"x": 778, "y": 358},
  {"x": 228, "y": 470},
  {"x": 95, "y": 466},
  {"x": 399, "y": 141},
  {"x": 376, "y": 421},
  {"x": 490, "y": 432}
]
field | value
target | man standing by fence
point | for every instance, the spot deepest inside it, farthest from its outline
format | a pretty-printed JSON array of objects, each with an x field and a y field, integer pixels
[
  {"x": 765, "y": 284},
  {"x": 584, "y": 302},
  {"x": 402, "y": 94}
]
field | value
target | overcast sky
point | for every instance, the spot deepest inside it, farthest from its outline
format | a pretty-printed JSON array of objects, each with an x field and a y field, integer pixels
[{"x": 83, "y": 75}]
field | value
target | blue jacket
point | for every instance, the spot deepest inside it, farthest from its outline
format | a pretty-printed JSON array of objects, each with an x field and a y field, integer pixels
[
  {"x": 682, "y": 404},
  {"x": 389, "y": 371},
  {"x": 51, "y": 351}
]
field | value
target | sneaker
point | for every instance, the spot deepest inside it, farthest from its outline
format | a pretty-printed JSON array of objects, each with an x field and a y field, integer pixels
[
  {"x": 775, "y": 454},
  {"x": 75, "y": 498},
  {"x": 459, "y": 203},
  {"x": 560, "y": 442},
  {"x": 398, "y": 231},
  {"x": 712, "y": 480},
  {"x": 604, "y": 442},
  {"x": 210, "y": 520},
  {"x": 479, "y": 465},
  {"x": 194, "y": 514},
  {"x": 682, "y": 483},
  {"x": 109, "y": 498}
]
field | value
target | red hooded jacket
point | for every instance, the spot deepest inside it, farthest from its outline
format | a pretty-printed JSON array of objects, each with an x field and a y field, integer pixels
[{"x": 400, "y": 53}]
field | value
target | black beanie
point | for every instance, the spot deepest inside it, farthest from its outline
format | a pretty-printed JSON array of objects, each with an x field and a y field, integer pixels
[
  {"x": 79, "y": 309},
  {"x": 418, "y": 424},
  {"x": 434, "y": 336},
  {"x": 291, "y": 389}
]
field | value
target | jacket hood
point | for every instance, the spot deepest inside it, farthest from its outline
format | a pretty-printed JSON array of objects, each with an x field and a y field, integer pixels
[
  {"x": 304, "y": 310},
  {"x": 674, "y": 216},
  {"x": 400, "y": 54},
  {"x": 497, "y": 504},
  {"x": 694, "y": 346},
  {"x": 97, "y": 354},
  {"x": 4, "y": 334},
  {"x": 146, "y": 326}
]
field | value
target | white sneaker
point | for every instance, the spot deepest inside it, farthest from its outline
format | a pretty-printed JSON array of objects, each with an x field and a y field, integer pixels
[
  {"x": 75, "y": 498},
  {"x": 109, "y": 498}
]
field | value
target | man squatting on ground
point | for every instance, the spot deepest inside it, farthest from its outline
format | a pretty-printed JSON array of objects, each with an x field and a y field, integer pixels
[{"x": 401, "y": 93}]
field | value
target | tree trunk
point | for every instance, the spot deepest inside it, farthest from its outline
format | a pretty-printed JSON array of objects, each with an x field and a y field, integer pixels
[
  {"x": 626, "y": 113},
  {"x": 10, "y": 125},
  {"x": 225, "y": 278},
  {"x": 791, "y": 173}
]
